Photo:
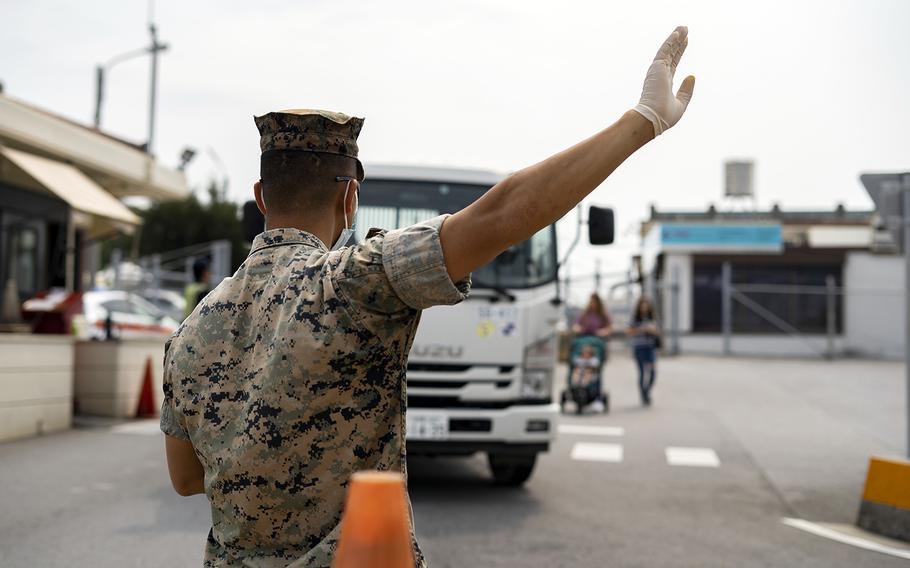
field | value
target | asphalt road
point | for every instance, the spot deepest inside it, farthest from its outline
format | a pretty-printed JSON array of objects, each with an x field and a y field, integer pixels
[{"x": 790, "y": 439}]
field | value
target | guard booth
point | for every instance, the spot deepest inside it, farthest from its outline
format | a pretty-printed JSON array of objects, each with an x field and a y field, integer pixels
[{"x": 60, "y": 188}]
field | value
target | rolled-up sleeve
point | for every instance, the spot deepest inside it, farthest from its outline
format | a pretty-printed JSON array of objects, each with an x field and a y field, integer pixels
[
  {"x": 170, "y": 419},
  {"x": 414, "y": 264},
  {"x": 170, "y": 422},
  {"x": 389, "y": 277}
]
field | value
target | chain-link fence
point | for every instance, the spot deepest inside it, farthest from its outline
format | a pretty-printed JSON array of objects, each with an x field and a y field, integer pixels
[{"x": 738, "y": 313}]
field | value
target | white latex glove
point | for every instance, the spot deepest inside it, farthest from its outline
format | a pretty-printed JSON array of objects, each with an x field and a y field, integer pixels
[{"x": 658, "y": 104}]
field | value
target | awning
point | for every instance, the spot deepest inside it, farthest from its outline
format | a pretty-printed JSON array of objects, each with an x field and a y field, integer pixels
[
  {"x": 119, "y": 166},
  {"x": 72, "y": 186}
]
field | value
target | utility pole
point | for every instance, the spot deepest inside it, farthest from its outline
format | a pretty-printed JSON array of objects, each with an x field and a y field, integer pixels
[
  {"x": 905, "y": 221},
  {"x": 674, "y": 310},
  {"x": 726, "y": 303},
  {"x": 597, "y": 276},
  {"x": 891, "y": 195},
  {"x": 830, "y": 313}
]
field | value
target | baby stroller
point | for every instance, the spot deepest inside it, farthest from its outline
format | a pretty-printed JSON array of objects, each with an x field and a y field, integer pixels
[{"x": 584, "y": 392}]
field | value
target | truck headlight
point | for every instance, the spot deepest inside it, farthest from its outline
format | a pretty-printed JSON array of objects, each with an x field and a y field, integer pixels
[
  {"x": 536, "y": 383},
  {"x": 537, "y": 371}
]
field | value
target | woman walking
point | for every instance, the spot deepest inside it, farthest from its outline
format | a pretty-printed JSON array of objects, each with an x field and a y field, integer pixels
[
  {"x": 644, "y": 335},
  {"x": 594, "y": 320}
]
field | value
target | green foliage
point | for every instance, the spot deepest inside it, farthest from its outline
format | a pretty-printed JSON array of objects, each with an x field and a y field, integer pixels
[{"x": 170, "y": 225}]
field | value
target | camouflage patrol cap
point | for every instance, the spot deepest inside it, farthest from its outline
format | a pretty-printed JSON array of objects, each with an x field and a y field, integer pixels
[{"x": 309, "y": 130}]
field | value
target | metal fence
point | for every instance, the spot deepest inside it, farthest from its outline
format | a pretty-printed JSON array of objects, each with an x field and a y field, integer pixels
[
  {"x": 171, "y": 269},
  {"x": 761, "y": 309}
]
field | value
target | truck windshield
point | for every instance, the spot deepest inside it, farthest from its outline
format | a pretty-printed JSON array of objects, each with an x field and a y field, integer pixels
[{"x": 390, "y": 204}]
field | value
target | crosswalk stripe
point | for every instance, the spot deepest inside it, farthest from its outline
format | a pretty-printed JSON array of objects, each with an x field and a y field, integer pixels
[
  {"x": 692, "y": 457},
  {"x": 589, "y": 451},
  {"x": 584, "y": 429}
]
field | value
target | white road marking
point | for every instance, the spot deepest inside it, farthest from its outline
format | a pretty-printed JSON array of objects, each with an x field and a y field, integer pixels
[
  {"x": 584, "y": 429},
  {"x": 79, "y": 490},
  {"x": 852, "y": 540},
  {"x": 139, "y": 427},
  {"x": 588, "y": 451},
  {"x": 692, "y": 457},
  {"x": 102, "y": 486}
]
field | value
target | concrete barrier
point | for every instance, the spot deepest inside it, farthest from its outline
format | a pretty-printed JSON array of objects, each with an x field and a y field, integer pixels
[
  {"x": 109, "y": 375},
  {"x": 36, "y": 384},
  {"x": 886, "y": 499}
]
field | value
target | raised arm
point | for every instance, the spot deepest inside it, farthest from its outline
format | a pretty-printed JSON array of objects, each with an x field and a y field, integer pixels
[{"x": 532, "y": 198}]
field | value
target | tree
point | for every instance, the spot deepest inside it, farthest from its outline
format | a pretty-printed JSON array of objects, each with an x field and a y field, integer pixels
[{"x": 170, "y": 225}]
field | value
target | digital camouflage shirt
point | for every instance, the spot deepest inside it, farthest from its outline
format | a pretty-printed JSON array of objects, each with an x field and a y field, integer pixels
[{"x": 290, "y": 376}]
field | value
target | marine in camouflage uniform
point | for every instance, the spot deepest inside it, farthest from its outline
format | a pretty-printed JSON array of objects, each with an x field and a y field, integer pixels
[{"x": 290, "y": 375}]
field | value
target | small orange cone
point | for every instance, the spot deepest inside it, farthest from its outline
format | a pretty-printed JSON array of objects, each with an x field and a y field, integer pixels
[
  {"x": 375, "y": 528},
  {"x": 146, "y": 406}
]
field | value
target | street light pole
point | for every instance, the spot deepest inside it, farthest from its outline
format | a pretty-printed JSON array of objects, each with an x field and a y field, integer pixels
[
  {"x": 101, "y": 70},
  {"x": 153, "y": 50},
  {"x": 99, "y": 94}
]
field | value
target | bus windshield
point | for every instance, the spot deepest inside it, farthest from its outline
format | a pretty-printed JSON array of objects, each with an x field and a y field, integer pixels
[{"x": 390, "y": 204}]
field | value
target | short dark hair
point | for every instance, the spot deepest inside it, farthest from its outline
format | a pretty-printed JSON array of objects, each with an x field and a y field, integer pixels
[
  {"x": 200, "y": 267},
  {"x": 294, "y": 180}
]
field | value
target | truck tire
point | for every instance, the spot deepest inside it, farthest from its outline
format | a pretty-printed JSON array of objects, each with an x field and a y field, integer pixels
[{"x": 510, "y": 470}]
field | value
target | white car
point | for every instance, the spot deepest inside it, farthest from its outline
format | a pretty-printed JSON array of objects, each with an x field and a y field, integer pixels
[
  {"x": 131, "y": 316},
  {"x": 169, "y": 302}
]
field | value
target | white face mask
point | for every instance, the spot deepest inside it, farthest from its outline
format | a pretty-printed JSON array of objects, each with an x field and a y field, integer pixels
[{"x": 347, "y": 232}]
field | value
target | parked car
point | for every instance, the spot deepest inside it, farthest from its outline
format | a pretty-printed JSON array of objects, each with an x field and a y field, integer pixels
[
  {"x": 131, "y": 316},
  {"x": 170, "y": 302}
]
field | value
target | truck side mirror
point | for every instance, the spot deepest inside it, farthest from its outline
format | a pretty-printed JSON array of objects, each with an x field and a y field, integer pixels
[
  {"x": 253, "y": 221},
  {"x": 600, "y": 225}
]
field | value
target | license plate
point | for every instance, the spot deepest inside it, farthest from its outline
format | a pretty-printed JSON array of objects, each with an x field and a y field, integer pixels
[{"x": 428, "y": 427}]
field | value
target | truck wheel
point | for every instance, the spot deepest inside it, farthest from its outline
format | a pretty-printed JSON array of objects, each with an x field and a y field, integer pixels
[{"x": 511, "y": 471}]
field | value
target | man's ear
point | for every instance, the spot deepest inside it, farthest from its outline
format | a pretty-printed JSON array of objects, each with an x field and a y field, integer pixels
[
  {"x": 257, "y": 193},
  {"x": 351, "y": 200}
]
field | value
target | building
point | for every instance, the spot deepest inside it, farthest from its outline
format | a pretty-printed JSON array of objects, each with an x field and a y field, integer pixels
[
  {"x": 60, "y": 189},
  {"x": 801, "y": 282}
]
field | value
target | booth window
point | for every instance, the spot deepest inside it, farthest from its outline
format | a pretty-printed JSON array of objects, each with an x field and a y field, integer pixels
[{"x": 23, "y": 260}]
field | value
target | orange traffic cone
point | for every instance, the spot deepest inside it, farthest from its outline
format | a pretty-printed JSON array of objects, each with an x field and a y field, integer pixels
[
  {"x": 146, "y": 406},
  {"x": 375, "y": 528}
]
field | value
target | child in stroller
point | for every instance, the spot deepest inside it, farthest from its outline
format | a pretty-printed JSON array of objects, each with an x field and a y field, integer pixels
[{"x": 586, "y": 360}]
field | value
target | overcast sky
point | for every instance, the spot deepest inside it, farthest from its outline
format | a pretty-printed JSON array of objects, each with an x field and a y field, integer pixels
[{"x": 814, "y": 91}]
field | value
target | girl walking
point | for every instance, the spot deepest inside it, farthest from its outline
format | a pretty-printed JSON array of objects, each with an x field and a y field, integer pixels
[{"x": 644, "y": 336}]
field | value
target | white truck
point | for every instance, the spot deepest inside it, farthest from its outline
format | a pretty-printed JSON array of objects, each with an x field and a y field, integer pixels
[{"x": 480, "y": 374}]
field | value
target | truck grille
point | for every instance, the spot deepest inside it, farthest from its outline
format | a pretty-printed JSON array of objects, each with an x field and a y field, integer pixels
[
  {"x": 439, "y": 384},
  {"x": 418, "y": 384},
  {"x": 437, "y": 368},
  {"x": 451, "y": 368},
  {"x": 419, "y": 401}
]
